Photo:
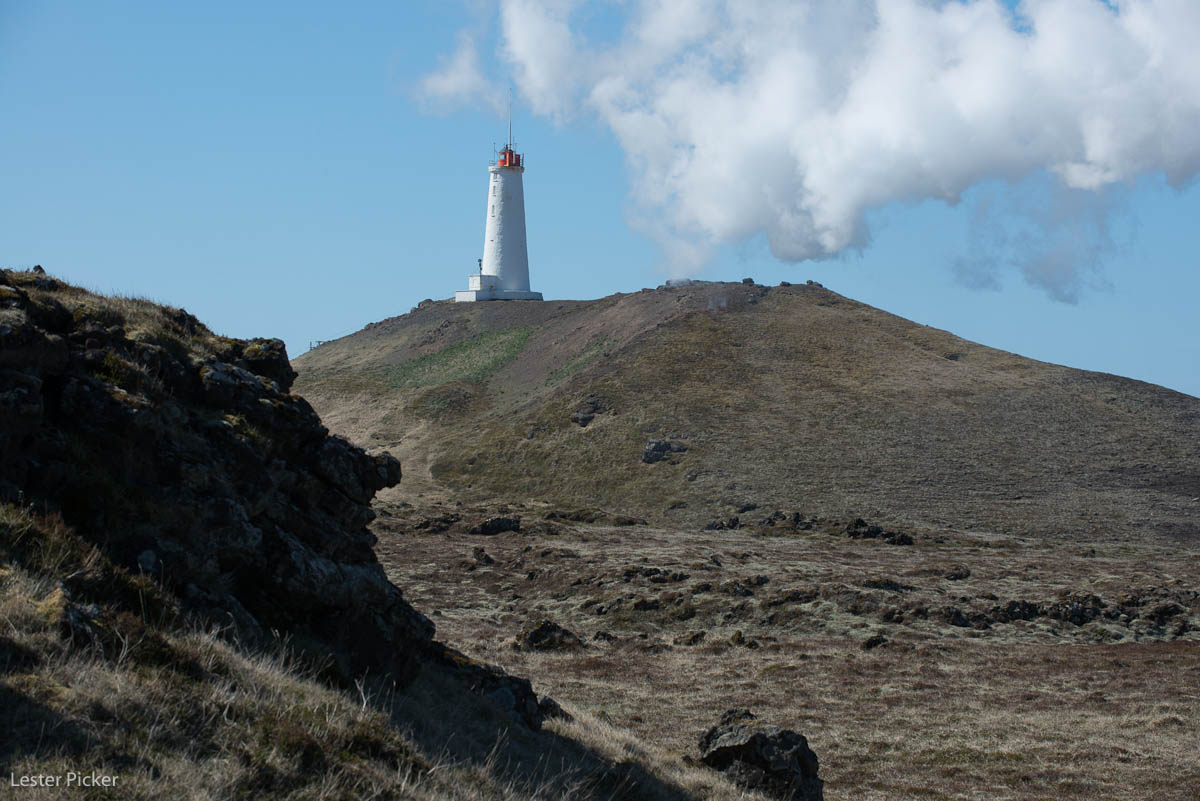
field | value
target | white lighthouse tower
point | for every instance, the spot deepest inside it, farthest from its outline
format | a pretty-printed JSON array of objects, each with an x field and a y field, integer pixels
[{"x": 504, "y": 269}]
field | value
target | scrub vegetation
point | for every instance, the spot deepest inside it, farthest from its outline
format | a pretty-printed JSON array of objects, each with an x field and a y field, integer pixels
[{"x": 960, "y": 666}]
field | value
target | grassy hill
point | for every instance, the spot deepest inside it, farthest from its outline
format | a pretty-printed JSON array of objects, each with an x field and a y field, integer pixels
[{"x": 789, "y": 397}]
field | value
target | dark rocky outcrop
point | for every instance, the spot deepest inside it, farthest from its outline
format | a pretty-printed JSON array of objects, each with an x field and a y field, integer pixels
[
  {"x": 183, "y": 457},
  {"x": 1077, "y": 608},
  {"x": 761, "y": 757}
]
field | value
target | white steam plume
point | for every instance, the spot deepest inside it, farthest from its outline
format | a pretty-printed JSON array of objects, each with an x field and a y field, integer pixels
[{"x": 794, "y": 119}]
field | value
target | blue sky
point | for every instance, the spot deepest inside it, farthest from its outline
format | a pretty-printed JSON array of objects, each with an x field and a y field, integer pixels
[{"x": 287, "y": 170}]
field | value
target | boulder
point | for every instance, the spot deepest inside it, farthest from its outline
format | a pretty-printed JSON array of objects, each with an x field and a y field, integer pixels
[
  {"x": 552, "y": 710},
  {"x": 760, "y": 757},
  {"x": 874, "y": 641},
  {"x": 512, "y": 695},
  {"x": 587, "y": 410},
  {"x": 268, "y": 357},
  {"x": 655, "y": 450},
  {"x": 546, "y": 635}
]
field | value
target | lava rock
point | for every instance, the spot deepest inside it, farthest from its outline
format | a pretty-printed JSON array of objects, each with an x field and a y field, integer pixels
[
  {"x": 513, "y": 695},
  {"x": 1076, "y": 608},
  {"x": 496, "y": 525},
  {"x": 958, "y": 573},
  {"x": 759, "y": 757},
  {"x": 588, "y": 409},
  {"x": 655, "y": 450},
  {"x": 546, "y": 635},
  {"x": 873, "y": 642},
  {"x": 1017, "y": 610},
  {"x": 552, "y": 710},
  {"x": 268, "y": 357},
  {"x": 859, "y": 529}
]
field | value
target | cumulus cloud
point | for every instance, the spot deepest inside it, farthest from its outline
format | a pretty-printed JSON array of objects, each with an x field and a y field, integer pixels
[
  {"x": 460, "y": 80},
  {"x": 795, "y": 119}
]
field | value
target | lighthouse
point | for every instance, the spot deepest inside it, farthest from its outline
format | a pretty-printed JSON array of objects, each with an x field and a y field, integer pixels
[{"x": 504, "y": 269}]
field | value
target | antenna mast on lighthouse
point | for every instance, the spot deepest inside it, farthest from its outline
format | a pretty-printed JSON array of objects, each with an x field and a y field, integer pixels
[{"x": 510, "y": 117}]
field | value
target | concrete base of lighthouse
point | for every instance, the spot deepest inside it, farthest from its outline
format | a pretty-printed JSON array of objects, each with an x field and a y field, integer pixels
[
  {"x": 471, "y": 295},
  {"x": 483, "y": 287}
]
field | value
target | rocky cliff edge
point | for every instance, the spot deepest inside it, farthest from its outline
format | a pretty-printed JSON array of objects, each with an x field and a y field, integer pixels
[{"x": 183, "y": 456}]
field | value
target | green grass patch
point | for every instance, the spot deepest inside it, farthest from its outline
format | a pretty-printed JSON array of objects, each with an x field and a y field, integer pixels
[{"x": 471, "y": 361}]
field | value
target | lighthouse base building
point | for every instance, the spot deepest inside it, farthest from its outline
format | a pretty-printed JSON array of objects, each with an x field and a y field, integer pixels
[
  {"x": 504, "y": 269},
  {"x": 484, "y": 287}
]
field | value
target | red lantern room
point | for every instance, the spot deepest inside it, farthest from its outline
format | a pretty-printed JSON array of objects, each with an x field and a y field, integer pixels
[{"x": 508, "y": 158}]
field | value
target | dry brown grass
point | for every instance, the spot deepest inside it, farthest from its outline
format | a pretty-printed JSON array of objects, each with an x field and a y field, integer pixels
[
  {"x": 1037, "y": 709},
  {"x": 142, "y": 319},
  {"x": 178, "y": 713}
]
